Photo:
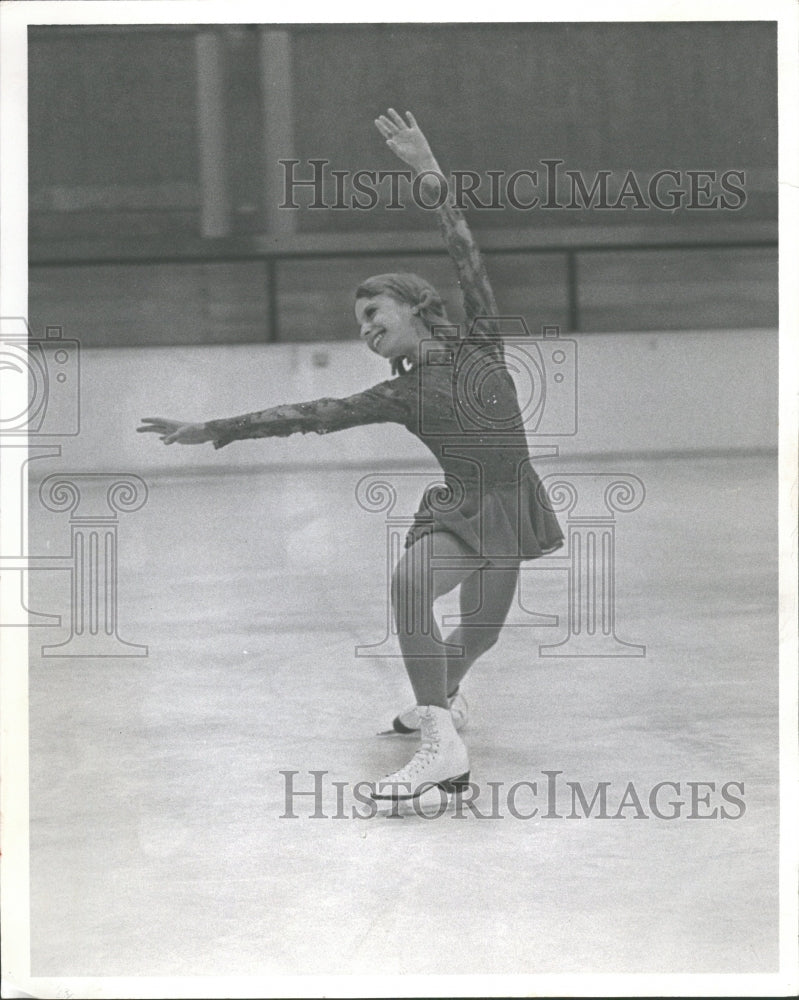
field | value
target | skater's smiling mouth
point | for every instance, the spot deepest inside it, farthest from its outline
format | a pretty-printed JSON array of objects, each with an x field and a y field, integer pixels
[
  {"x": 388, "y": 327},
  {"x": 375, "y": 338}
]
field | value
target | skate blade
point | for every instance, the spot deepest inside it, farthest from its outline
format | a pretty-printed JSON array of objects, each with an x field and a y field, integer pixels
[
  {"x": 452, "y": 786},
  {"x": 456, "y": 785},
  {"x": 430, "y": 804}
]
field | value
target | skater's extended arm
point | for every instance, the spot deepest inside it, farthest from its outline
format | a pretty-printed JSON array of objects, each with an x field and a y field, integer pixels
[
  {"x": 383, "y": 403},
  {"x": 408, "y": 142}
]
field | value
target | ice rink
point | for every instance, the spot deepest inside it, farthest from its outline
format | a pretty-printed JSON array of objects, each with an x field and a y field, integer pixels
[{"x": 160, "y": 844}]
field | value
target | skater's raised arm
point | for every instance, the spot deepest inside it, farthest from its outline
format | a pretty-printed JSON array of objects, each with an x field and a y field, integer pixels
[
  {"x": 383, "y": 403},
  {"x": 408, "y": 142}
]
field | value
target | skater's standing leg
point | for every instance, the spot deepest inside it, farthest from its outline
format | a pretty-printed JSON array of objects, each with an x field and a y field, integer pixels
[
  {"x": 485, "y": 600},
  {"x": 417, "y": 583}
]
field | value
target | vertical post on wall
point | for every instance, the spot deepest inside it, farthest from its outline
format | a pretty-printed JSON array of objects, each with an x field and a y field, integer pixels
[
  {"x": 272, "y": 314},
  {"x": 572, "y": 291},
  {"x": 278, "y": 121},
  {"x": 215, "y": 213}
]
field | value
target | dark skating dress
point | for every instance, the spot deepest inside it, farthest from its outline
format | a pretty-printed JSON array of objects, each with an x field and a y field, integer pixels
[{"x": 459, "y": 399}]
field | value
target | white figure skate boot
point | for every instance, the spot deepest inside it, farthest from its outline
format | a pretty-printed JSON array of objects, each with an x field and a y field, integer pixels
[
  {"x": 408, "y": 721},
  {"x": 441, "y": 761}
]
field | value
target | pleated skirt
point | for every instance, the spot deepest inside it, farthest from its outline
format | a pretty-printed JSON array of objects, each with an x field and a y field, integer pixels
[{"x": 499, "y": 521}]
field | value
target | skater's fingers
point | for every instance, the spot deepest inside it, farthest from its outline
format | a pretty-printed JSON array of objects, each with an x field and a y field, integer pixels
[
  {"x": 381, "y": 128},
  {"x": 411, "y": 120},
  {"x": 397, "y": 119},
  {"x": 159, "y": 425}
]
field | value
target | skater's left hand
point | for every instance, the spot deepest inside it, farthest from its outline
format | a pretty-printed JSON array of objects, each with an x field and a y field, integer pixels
[{"x": 175, "y": 431}]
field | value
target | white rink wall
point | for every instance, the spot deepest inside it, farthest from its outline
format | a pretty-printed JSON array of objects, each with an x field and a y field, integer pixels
[{"x": 637, "y": 392}]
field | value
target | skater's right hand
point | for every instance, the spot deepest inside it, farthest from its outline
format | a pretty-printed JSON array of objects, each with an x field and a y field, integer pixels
[
  {"x": 407, "y": 141},
  {"x": 175, "y": 431}
]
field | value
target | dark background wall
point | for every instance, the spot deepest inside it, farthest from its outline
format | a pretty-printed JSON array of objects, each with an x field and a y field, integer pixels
[{"x": 120, "y": 206}]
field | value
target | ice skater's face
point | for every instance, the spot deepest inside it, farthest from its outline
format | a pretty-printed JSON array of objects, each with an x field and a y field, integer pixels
[{"x": 390, "y": 328}]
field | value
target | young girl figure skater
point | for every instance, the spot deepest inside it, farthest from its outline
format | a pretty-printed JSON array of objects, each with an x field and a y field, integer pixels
[{"x": 490, "y": 514}]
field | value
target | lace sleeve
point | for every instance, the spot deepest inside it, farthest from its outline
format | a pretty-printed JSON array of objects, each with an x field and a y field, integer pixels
[
  {"x": 383, "y": 403},
  {"x": 478, "y": 296}
]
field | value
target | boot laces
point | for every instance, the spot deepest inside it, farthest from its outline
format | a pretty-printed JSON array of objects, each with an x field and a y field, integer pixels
[{"x": 424, "y": 756}]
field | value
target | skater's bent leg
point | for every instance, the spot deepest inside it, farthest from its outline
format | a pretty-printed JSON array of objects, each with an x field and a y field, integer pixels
[
  {"x": 485, "y": 599},
  {"x": 417, "y": 582}
]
